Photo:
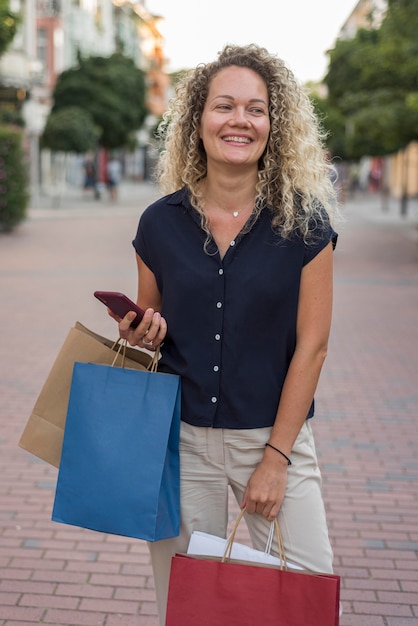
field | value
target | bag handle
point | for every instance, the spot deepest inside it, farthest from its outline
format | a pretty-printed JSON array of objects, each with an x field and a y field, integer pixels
[
  {"x": 122, "y": 343},
  {"x": 121, "y": 348},
  {"x": 153, "y": 365},
  {"x": 274, "y": 530}
]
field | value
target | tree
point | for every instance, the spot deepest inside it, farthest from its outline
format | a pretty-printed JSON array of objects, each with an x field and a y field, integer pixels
[
  {"x": 373, "y": 81},
  {"x": 111, "y": 90},
  {"x": 70, "y": 129},
  {"x": 9, "y": 22},
  {"x": 375, "y": 76},
  {"x": 14, "y": 195},
  {"x": 333, "y": 121}
]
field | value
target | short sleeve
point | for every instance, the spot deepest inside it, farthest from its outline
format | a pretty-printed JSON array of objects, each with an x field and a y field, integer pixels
[
  {"x": 321, "y": 234},
  {"x": 140, "y": 242}
]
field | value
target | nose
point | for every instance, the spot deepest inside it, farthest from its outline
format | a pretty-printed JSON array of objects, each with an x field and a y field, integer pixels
[{"x": 239, "y": 117}]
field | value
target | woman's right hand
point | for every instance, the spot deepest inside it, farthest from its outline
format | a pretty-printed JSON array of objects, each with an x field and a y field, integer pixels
[{"x": 150, "y": 332}]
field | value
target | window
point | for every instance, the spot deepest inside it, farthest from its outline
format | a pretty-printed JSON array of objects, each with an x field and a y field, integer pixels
[{"x": 42, "y": 48}]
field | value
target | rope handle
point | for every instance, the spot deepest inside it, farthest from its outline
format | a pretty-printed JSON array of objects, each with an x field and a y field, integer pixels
[
  {"x": 274, "y": 530},
  {"x": 121, "y": 349},
  {"x": 153, "y": 365},
  {"x": 121, "y": 345}
]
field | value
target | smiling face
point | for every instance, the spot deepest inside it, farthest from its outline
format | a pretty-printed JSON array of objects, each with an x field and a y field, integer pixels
[{"x": 235, "y": 122}]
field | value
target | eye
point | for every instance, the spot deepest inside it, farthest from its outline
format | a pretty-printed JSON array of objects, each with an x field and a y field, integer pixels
[{"x": 258, "y": 111}]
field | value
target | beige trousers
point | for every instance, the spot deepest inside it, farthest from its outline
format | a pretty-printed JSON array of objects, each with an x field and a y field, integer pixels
[{"x": 213, "y": 460}]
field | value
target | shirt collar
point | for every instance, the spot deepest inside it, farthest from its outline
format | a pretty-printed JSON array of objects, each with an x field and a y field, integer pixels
[{"x": 180, "y": 197}]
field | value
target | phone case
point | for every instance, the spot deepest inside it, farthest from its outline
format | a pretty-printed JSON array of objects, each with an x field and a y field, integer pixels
[{"x": 120, "y": 304}]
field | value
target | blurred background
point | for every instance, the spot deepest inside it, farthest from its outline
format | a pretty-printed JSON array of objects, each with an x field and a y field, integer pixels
[{"x": 84, "y": 83}]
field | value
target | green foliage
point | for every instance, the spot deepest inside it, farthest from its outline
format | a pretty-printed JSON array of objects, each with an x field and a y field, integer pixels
[
  {"x": 373, "y": 82},
  {"x": 11, "y": 117},
  {"x": 14, "y": 194},
  {"x": 70, "y": 129},
  {"x": 399, "y": 46},
  {"x": 348, "y": 60},
  {"x": 111, "y": 89},
  {"x": 9, "y": 23},
  {"x": 335, "y": 124}
]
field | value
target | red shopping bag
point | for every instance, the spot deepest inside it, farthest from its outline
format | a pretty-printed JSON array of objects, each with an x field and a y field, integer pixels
[{"x": 209, "y": 590}]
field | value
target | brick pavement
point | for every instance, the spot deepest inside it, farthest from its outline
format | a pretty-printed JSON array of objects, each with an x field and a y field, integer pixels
[{"x": 367, "y": 408}]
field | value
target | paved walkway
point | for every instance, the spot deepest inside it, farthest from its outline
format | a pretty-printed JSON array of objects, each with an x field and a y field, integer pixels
[{"x": 366, "y": 424}]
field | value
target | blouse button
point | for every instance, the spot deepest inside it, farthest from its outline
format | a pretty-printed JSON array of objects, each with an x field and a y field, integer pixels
[
  {"x": 216, "y": 368},
  {"x": 221, "y": 272},
  {"x": 214, "y": 399},
  {"x": 217, "y": 337},
  {"x": 219, "y": 305},
  {"x": 232, "y": 243}
]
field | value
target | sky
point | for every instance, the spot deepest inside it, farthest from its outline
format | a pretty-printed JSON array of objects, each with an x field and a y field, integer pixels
[{"x": 298, "y": 31}]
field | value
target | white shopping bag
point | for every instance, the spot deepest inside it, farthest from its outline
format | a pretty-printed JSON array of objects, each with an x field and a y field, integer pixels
[{"x": 204, "y": 544}]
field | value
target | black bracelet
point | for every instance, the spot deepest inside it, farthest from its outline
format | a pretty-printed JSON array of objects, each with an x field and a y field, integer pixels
[{"x": 289, "y": 462}]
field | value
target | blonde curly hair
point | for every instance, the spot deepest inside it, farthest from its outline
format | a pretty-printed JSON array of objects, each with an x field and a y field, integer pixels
[{"x": 294, "y": 172}]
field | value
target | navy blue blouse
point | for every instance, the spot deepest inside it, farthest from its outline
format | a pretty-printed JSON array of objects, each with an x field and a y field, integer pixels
[{"x": 231, "y": 321}]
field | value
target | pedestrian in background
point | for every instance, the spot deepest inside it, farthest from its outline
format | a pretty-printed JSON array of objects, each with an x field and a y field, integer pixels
[
  {"x": 90, "y": 177},
  {"x": 235, "y": 275},
  {"x": 114, "y": 174}
]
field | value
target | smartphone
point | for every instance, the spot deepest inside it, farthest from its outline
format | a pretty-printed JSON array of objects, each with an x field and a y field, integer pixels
[{"x": 120, "y": 304}]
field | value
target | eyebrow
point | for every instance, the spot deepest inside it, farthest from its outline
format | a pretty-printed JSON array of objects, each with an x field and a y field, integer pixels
[{"x": 232, "y": 98}]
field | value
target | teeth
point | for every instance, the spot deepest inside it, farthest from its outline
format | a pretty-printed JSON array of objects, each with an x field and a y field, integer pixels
[{"x": 237, "y": 139}]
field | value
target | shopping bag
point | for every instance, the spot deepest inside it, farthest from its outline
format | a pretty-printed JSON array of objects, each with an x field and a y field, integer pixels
[
  {"x": 44, "y": 429},
  {"x": 119, "y": 470},
  {"x": 208, "y": 590}
]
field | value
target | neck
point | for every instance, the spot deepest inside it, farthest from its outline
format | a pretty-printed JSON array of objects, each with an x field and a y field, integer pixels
[{"x": 230, "y": 198}]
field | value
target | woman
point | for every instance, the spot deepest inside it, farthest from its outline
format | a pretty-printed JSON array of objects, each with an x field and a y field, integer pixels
[{"x": 238, "y": 260}]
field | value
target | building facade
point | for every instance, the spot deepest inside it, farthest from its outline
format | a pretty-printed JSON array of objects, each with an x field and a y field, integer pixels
[
  {"x": 366, "y": 14},
  {"x": 52, "y": 35}
]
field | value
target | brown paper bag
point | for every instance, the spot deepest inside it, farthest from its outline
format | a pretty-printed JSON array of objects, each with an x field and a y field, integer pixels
[{"x": 44, "y": 431}]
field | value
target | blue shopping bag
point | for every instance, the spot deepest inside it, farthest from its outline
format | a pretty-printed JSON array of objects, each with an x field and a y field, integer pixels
[{"x": 120, "y": 470}]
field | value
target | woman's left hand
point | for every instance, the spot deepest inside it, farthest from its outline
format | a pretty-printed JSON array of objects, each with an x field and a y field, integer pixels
[{"x": 266, "y": 488}]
